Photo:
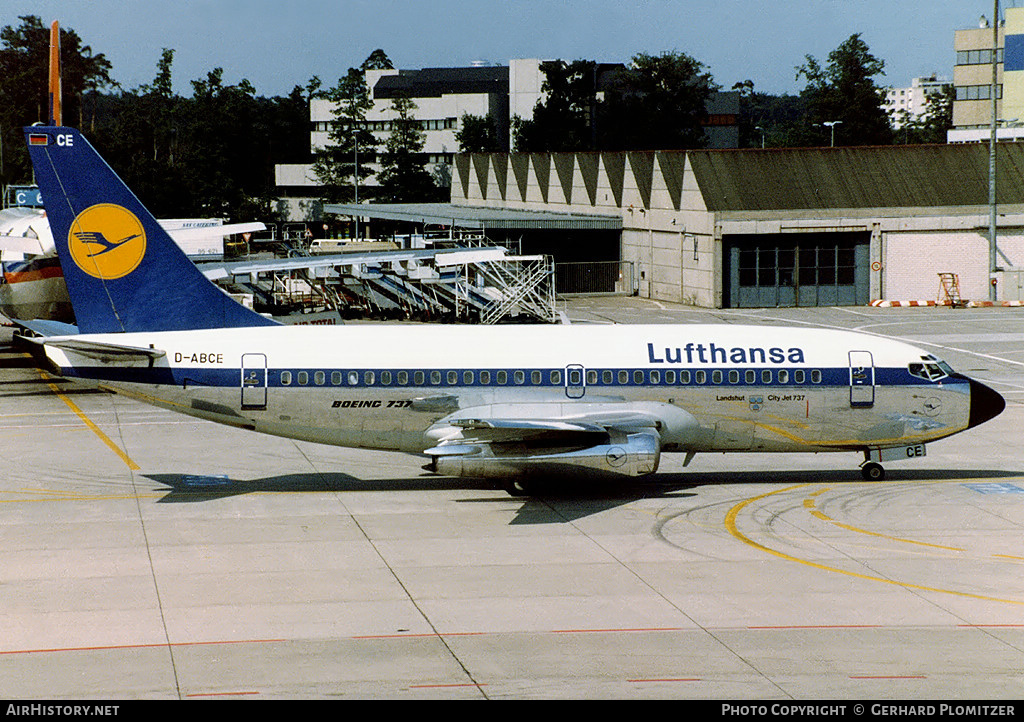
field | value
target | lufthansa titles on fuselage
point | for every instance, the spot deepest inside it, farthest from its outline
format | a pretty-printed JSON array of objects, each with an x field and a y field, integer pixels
[{"x": 713, "y": 354}]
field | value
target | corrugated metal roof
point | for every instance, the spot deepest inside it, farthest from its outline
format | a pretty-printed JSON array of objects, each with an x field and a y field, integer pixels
[
  {"x": 862, "y": 177},
  {"x": 476, "y": 216}
]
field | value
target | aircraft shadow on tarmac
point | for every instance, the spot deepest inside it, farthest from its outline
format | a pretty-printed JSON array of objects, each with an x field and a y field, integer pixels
[{"x": 550, "y": 500}]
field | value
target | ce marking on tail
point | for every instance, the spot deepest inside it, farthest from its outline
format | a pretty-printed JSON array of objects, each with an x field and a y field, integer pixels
[{"x": 65, "y": 140}]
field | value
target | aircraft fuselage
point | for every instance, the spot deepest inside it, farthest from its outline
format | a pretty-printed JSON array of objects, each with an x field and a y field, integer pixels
[{"x": 394, "y": 387}]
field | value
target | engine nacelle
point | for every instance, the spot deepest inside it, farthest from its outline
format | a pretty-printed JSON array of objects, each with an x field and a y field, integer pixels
[{"x": 624, "y": 455}]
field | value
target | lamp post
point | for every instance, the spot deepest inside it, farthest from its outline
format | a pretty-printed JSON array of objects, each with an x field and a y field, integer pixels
[
  {"x": 993, "y": 92},
  {"x": 762, "y": 134},
  {"x": 831, "y": 125}
]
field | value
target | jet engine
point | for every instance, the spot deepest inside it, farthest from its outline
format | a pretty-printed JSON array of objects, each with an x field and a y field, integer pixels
[{"x": 618, "y": 454}]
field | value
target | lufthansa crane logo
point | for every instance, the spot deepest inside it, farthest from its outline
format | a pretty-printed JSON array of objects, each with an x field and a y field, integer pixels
[{"x": 107, "y": 241}]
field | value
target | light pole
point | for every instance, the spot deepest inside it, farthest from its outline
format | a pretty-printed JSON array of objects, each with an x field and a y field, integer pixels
[
  {"x": 993, "y": 92},
  {"x": 762, "y": 134},
  {"x": 831, "y": 125}
]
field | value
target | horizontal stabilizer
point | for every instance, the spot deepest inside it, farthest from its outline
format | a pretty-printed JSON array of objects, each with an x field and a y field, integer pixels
[
  {"x": 106, "y": 352},
  {"x": 45, "y": 327}
]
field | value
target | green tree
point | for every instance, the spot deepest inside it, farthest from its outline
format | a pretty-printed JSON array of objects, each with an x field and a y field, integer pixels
[
  {"x": 478, "y": 134},
  {"x": 403, "y": 174},
  {"x": 844, "y": 91},
  {"x": 377, "y": 60},
  {"x": 771, "y": 121},
  {"x": 563, "y": 119},
  {"x": 659, "y": 102},
  {"x": 24, "y": 85},
  {"x": 932, "y": 125},
  {"x": 351, "y": 144}
]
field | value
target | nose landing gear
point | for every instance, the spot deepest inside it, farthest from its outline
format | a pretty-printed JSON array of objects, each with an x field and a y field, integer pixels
[{"x": 872, "y": 471}]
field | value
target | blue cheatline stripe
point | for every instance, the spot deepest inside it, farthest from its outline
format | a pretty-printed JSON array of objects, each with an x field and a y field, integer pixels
[{"x": 502, "y": 378}]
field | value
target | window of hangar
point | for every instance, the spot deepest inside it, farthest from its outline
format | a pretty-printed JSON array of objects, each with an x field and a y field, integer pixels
[{"x": 797, "y": 269}]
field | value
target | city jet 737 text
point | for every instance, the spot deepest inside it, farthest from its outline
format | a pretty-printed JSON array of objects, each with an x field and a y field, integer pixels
[{"x": 509, "y": 402}]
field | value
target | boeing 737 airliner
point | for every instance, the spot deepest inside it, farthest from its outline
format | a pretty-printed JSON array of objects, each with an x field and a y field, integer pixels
[{"x": 495, "y": 401}]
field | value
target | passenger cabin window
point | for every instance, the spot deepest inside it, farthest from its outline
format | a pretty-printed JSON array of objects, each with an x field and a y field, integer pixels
[
  {"x": 815, "y": 376},
  {"x": 353, "y": 378},
  {"x": 783, "y": 376},
  {"x": 303, "y": 378},
  {"x": 418, "y": 377},
  {"x": 536, "y": 378},
  {"x": 286, "y": 378},
  {"x": 336, "y": 378},
  {"x": 403, "y": 378},
  {"x": 485, "y": 378},
  {"x": 520, "y": 377},
  {"x": 501, "y": 378},
  {"x": 670, "y": 377},
  {"x": 319, "y": 378}
]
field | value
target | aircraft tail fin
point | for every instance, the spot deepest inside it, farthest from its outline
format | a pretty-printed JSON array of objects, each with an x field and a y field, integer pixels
[{"x": 123, "y": 271}]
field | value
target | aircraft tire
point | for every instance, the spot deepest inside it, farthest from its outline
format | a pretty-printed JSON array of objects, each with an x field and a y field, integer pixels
[{"x": 872, "y": 471}]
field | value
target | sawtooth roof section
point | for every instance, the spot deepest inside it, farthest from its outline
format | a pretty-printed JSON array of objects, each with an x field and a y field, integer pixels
[{"x": 864, "y": 177}]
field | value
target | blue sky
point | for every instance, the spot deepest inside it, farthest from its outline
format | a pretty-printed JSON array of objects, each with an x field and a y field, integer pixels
[{"x": 277, "y": 45}]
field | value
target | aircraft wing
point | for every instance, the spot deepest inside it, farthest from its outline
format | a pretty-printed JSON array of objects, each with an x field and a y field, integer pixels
[
  {"x": 21, "y": 244},
  {"x": 617, "y": 438},
  {"x": 189, "y": 234}
]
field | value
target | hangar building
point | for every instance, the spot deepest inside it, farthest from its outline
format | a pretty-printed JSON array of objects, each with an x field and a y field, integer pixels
[{"x": 776, "y": 227}]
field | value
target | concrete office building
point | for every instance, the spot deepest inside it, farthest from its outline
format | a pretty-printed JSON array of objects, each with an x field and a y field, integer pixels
[
  {"x": 903, "y": 104},
  {"x": 972, "y": 78},
  {"x": 442, "y": 96}
]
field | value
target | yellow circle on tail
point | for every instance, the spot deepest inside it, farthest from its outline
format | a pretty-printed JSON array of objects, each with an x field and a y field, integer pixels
[{"x": 107, "y": 241}]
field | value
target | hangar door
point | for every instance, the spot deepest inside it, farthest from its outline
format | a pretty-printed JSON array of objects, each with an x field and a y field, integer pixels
[{"x": 797, "y": 269}]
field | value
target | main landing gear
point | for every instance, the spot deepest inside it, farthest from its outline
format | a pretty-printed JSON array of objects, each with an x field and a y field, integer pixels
[{"x": 872, "y": 471}]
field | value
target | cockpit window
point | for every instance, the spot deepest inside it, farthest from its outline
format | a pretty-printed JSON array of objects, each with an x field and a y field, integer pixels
[{"x": 930, "y": 369}]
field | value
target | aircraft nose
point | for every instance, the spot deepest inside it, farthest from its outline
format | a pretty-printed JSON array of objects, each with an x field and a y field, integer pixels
[{"x": 985, "y": 404}]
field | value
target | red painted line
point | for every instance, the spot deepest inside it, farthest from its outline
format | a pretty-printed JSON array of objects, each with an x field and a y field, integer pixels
[
  {"x": 220, "y": 694},
  {"x": 418, "y": 634},
  {"x": 892, "y": 676},
  {"x": 102, "y": 648},
  {"x": 605, "y": 631},
  {"x": 822, "y": 626}
]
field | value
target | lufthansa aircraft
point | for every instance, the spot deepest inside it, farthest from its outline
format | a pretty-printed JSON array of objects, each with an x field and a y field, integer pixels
[{"x": 491, "y": 401}]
